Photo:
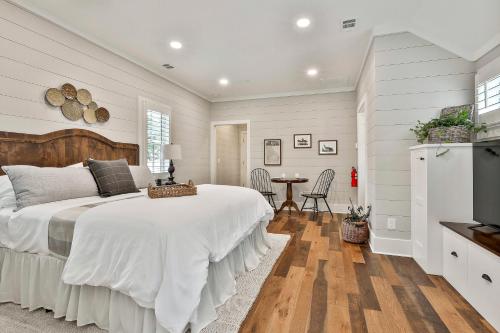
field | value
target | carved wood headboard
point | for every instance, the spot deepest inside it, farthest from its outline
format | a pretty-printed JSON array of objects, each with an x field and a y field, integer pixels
[{"x": 62, "y": 148}]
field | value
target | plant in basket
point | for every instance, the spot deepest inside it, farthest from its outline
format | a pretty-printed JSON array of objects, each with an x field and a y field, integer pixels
[
  {"x": 355, "y": 224},
  {"x": 454, "y": 127}
]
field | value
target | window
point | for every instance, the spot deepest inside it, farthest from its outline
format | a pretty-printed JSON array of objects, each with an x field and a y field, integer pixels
[
  {"x": 157, "y": 134},
  {"x": 488, "y": 95}
]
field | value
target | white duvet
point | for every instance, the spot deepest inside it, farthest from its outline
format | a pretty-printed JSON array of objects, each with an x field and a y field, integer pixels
[{"x": 157, "y": 251}]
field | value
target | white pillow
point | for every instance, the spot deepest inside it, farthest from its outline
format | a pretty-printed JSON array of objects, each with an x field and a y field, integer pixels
[
  {"x": 142, "y": 176},
  {"x": 7, "y": 195}
]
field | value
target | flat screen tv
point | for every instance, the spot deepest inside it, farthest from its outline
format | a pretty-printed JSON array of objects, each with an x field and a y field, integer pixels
[{"x": 486, "y": 182}]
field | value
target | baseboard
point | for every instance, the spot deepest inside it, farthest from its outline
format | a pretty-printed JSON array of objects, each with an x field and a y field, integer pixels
[
  {"x": 336, "y": 208},
  {"x": 390, "y": 246}
]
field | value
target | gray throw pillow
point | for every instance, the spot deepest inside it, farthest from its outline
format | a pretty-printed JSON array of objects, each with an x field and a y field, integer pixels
[
  {"x": 33, "y": 185},
  {"x": 112, "y": 177},
  {"x": 142, "y": 176}
]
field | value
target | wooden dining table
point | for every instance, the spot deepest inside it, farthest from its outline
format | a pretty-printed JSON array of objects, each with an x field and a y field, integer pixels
[{"x": 289, "y": 192}]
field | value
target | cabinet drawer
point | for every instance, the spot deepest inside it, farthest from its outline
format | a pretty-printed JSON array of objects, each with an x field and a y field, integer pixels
[
  {"x": 483, "y": 283},
  {"x": 455, "y": 258}
]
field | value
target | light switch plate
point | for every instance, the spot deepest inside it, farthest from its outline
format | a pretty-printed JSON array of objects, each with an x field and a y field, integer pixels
[{"x": 391, "y": 223}]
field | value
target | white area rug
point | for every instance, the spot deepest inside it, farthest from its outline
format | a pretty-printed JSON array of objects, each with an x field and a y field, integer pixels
[{"x": 13, "y": 319}]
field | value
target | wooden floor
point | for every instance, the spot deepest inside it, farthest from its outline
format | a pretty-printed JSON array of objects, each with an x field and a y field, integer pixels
[{"x": 322, "y": 284}]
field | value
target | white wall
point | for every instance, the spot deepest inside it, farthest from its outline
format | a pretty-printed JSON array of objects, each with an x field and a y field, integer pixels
[
  {"x": 228, "y": 154},
  {"x": 487, "y": 67},
  {"x": 326, "y": 116},
  {"x": 407, "y": 79},
  {"x": 36, "y": 55}
]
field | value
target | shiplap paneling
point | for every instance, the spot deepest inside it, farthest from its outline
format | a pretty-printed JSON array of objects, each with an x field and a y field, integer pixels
[
  {"x": 325, "y": 116},
  {"x": 413, "y": 79},
  {"x": 36, "y": 54}
]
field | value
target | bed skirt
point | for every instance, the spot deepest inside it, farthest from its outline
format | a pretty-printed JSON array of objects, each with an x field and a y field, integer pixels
[{"x": 34, "y": 281}]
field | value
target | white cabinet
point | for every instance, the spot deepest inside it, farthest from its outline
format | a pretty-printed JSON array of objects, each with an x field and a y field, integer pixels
[
  {"x": 455, "y": 260},
  {"x": 441, "y": 190},
  {"x": 475, "y": 273}
]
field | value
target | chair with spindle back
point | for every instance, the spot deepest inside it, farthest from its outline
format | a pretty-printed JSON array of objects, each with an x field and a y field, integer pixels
[
  {"x": 320, "y": 191},
  {"x": 261, "y": 181}
]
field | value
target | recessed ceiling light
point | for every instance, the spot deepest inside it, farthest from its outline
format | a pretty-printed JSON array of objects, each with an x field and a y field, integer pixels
[
  {"x": 303, "y": 22},
  {"x": 175, "y": 44},
  {"x": 312, "y": 72},
  {"x": 223, "y": 82}
]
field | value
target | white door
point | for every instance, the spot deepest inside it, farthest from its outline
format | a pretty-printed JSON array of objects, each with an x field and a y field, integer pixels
[
  {"x": 243, "y": 158},
  {"x": 362, "y": 159}
]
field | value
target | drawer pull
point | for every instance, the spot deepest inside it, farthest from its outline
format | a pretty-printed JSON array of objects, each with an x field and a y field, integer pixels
[
  {"x": 453, "y": 253},
  {"x": 421, "y": 158},
  {"x": 486, "y": 277}
]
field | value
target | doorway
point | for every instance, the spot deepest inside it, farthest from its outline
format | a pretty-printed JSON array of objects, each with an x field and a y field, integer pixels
[
  {"x": 362, "y": 155},
  {"x": 230, "y": 153}
]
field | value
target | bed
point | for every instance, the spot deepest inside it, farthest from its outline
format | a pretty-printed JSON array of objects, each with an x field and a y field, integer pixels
[{"x": 136, "y": 264}]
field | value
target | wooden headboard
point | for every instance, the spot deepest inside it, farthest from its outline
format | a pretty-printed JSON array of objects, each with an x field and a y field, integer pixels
[{"x": 62, "y": 148}]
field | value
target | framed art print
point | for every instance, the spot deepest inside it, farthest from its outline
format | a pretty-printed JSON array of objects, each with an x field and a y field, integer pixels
[
  {"x": 327, "y": 147},
  {"x": 302, "y": 141},
  {"x": 272, "y": 151}
]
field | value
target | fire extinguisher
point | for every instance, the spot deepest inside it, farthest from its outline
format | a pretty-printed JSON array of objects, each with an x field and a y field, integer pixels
[{"x": 354, "y": 177}]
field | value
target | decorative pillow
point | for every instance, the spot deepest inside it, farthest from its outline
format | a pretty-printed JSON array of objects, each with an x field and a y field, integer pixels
[
  {"x": 142, "y": 176},
  {"x": 112, "y": 177},
  {"x": 7, "y": 195},
  {"x": 33, "y": 185}
]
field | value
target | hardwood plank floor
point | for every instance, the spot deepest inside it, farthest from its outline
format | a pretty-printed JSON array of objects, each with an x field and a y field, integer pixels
[{"x": 322, "y": 284}]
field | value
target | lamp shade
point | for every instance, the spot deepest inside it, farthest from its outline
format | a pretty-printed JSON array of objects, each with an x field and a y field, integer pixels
[{"x": 172, "y": 152}]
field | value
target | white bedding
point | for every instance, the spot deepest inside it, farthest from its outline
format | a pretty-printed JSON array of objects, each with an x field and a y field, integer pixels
[
  {"x": 27, "y": 229},
  {"x": 157, "y": 251}
]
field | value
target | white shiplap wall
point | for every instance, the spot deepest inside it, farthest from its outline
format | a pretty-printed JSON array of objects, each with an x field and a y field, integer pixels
[
  {"x": 325, "y": 116},
  {"x": 228, "y": 154},
  {"x": 36, "y": 54},
  {"x": 413, "y": 80}
]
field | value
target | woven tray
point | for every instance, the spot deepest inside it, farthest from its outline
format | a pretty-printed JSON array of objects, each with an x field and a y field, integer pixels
[{"x": 167, "y": 191}]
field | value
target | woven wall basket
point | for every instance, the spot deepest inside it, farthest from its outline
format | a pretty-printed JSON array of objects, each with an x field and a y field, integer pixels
[
  {"x": 454, "y": 134},
  {"x": 355, "y": 232}
]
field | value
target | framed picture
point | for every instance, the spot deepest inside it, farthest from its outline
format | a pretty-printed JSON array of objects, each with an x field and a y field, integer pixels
[
  {"x": 272, "y": 151},
  {"x": 327, "y": 147},
  {"x": 302, "y": 141}
]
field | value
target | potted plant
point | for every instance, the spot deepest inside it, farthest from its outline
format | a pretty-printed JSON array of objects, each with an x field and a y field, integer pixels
[
  {"x": 450, "y": 128},
  {"x": 355, "y": 224}
]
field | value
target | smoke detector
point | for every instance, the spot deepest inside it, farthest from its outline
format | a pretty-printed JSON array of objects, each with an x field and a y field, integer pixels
[
  {"x": 168, "y": 66},
  {"x": 348, "y": 24}
]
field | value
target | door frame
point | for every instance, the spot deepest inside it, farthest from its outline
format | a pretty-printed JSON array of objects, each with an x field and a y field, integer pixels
[
  {"x": 213, "y": 146},
  {"x": 361, "y": 131}
]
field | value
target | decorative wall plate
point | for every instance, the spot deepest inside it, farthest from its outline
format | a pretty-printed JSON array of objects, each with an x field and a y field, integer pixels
[
  {"x": 102, "y": 115},
  {"x": 72, "y": 110},
  {"x": 55, "y": 97},
  {"x": 69, "y": 91},
  {"x": 92, "y": 106},
  {"x": 89, "y": 116},
  {"x": 83, "y": 96}
]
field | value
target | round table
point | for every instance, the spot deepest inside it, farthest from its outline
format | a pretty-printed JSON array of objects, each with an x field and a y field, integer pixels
[{"x": 289, "y": 193}]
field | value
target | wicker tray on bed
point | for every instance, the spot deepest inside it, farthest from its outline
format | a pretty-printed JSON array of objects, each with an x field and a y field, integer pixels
[{"x": 177, "y": 190}]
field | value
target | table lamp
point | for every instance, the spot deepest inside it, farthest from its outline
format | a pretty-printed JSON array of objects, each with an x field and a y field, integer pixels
[{"x": 172, "y": 152}]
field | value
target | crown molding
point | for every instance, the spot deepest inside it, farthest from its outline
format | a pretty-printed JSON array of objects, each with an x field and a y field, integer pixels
[{"x": 285, "y": 94}]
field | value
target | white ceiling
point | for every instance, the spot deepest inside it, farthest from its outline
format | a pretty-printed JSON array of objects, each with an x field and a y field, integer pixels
[{"x": 256, "y": 45}]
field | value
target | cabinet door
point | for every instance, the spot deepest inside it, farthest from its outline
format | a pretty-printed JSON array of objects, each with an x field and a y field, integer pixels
[
  {"x": 455, "y": 250},
  {"x": 483, "y": 284},
  {"x": 419, "y": 206}
]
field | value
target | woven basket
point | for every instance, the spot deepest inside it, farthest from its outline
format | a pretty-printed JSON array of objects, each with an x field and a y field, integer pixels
[
  {"x": 167, "y": 191},
  {"x": 453, "y": 110},
  {"x": 355, "y": 232},
  {"x": 453, "y": 134}
]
